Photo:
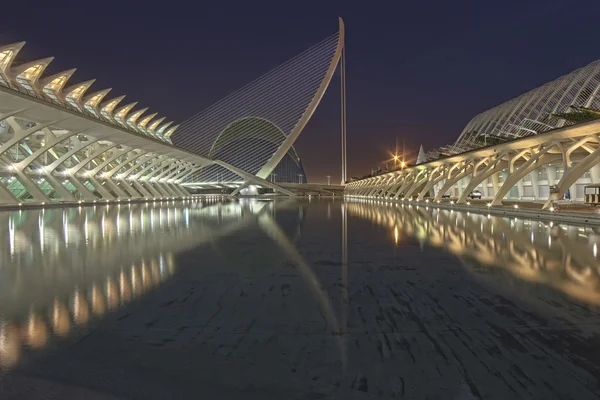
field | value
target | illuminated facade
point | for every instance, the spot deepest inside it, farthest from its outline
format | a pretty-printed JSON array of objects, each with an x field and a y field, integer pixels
[
  {"x": 63, "y": 141},
  {"x": 66, "y": 142},
  {"x": 541, "y": 146}
]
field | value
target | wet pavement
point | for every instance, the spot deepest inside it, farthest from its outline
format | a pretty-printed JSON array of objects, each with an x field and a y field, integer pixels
[{"x": 296, "y": 300}]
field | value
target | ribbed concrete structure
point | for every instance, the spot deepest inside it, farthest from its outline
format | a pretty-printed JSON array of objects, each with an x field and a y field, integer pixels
[
  {"x": 68, "y": 142},
  {"x": 541, "y": 146}
]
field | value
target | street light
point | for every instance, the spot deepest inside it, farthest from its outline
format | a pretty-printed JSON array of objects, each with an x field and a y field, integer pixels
[{"x": 395, "y": 158}]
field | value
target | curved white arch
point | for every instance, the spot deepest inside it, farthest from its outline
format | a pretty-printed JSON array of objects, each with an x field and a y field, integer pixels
[{"x": 266, "y": 170}]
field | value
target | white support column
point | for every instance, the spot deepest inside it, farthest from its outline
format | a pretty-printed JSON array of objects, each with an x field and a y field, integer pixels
[
  {"x": 397, "y": 180},
  {"x": 495, "y": 182},
  {"x": 373, "y": 187},
  {"x": 20, "y": 133},
  {"x": 115, "y": 154},
  {"x": 182, "y": 190},
  {"x": 405, "y": 184},
  {"x": 534, "y": 183},
  {"x": 78, "y": 146},
  {"x": 519, "y": 189},
  {"x": 97, "y": 152},
  {"x": 595, "y": 174},
  {"x": 181, "y": 177},
  {"x": 170, "y": 180},
  {"x": 59, "y": 188},
  {"x": 6, "y": 197},
  {"x": 135, "y": 155},
  {"x": 151, "y": 178},
  {"x": 129, "y": 189},
  {"x": 138, "y": 162},
  {"x": 523, "y": 170},
  {"x": 490, "y": 170},
  {"x": 177, "y": 190},
  {"x": 106, "y": 195},
  {"x": 486, "y": 183},
  {"x": 157, "y": 188},
  {"x": 120, "y": 192},
  {"x": 152, "y": 189},
  {"x": 145, "y": 193},
  {"x": 83, "y": 190},
  {"x": 573, "y": 189},
  {"x": 451, "y": 179},
  {"x": 574, "y": 172},
  {"x": 418, "y": 182},
  {"x": 32, "y": 188},
  {"x": 551, "y": 176},
  {"x": 434, "y": 178},
  {"x": 167, "y": 189},
  {"x": 148, "y": 170}
]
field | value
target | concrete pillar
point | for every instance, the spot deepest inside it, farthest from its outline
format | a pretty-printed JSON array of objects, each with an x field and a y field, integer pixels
[
  {"x": 573, "y": 191},
  {"x": 463, "y": 184},
  {"x": 435, "y": 189},
  {"x": 534, "y": 184},
  {"x": 142, "y": 190},
  {"x": 495, "y": 183},
  {"x": 82, "y": 189},
  {"x": 486, "y": 189},
  {"x": 6, "y": 197},
  {"x": 179, "y": 189},
  {"x": 551, "y": 175},
  {"x": 595, "y": 174},
  {"x": 32, "y": 187},
  {"x": 130, "y": 190},
  {"x": 60, "y": 190},
  {"x": 519, "y": 189},
  {"x": 153, "y": 190},
  {"x": 166, "y": 188},
  {"x": 106, "y": 195},
  {"x": 119, "y": 192}
]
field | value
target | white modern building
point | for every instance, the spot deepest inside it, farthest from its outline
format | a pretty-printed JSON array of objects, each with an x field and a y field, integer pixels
[
  {"x": 66, "y": 141},
  {"x": 541, "y": 146}
]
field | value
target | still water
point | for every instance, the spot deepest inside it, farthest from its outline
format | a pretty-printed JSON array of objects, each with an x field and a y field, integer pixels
[{"x": 293, "y": 299}]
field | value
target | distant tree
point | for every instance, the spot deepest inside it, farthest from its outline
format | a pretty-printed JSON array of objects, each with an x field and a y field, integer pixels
[
  {"x": 578, "y": 115},
  {"x": 489, "y": 140}
]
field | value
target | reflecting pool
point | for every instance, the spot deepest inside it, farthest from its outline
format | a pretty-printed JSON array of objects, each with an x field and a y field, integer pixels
[{"x": 286, "y": 299}]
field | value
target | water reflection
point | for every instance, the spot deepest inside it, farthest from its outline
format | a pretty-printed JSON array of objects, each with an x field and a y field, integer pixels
[
  {"x": 62, "y": 268},
  {"x": 561, "y": 256},
  {"x": 300, "y": 299}
]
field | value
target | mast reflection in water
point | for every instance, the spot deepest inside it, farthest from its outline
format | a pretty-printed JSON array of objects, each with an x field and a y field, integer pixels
[
  {"x": 301, "y": 297},
  {"x": 561, "y": 256},
  {"x": 61, "y": 268}
]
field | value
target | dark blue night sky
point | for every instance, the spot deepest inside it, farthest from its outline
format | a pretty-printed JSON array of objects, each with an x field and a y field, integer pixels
[{"x": 417, "y": 70}]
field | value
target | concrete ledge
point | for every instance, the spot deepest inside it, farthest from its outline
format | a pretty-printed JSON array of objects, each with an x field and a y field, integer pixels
[{"x": 84, "y": 203}]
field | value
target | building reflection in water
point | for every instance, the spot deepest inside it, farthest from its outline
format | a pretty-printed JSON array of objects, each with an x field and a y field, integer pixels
[
  {"x": 61, "y": 268},
  {"x": 560, "y": 256}
]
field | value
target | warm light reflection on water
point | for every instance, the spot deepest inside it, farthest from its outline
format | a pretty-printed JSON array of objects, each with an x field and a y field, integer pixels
[
  {"x": 558, "y": 255},
  {"x": 62, "y": 268}
]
